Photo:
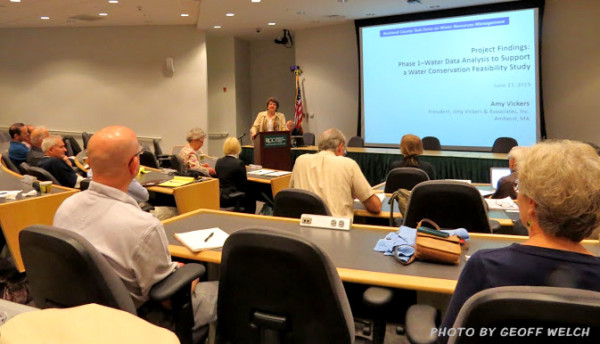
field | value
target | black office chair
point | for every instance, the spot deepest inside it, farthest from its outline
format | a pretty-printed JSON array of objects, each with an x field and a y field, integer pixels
[
  {"x": 356, "y": 141},
  {"x": 178, "y": 165},
  {"x": 404, "y": 178},
  {"x": 65, "y": 270},
  {"x": 73, "y": 144},
  {"x": 9, "y": 163},
  {"x": 39, "y": 173},
  {"x": 85, "y": 136},
  {"x": 276, "y": 287},
  {"x": 295, "y": 202},
  {"x": 451, "y": 204},
  {"x": 431, "y": 143},
  {"x": 164, "y": 160},
  {"x": 504, "y": 144},
  {"x": 147, "y": 158},
  {"x": 309, "y": 139}
]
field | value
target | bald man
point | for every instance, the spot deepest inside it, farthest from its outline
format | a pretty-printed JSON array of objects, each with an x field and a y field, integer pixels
[
  {"x": 36, "y": 153},
  {"x": 133, "y": 241}
]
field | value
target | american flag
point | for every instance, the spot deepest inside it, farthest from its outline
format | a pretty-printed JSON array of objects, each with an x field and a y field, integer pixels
[{"x": 298, "y": 114}]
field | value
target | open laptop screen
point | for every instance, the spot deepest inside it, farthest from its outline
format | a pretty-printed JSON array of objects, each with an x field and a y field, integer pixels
[{"x": 496, "y": 173}]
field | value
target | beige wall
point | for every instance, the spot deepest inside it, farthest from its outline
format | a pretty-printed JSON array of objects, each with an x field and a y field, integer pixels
[
  {"x": 571, "y": 69},
  {"x": 87, "y": 78}
]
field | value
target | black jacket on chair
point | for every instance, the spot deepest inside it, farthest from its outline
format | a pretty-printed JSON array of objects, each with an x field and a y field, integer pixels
[{"x": 232, "y": 178}]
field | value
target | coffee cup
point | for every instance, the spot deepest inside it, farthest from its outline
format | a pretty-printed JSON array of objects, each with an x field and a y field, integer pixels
[{"x": 45, "y": 187}]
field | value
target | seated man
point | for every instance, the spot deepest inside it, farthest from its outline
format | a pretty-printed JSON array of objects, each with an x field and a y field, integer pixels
[
  {"x": 133, "y": 241},
  {"x": 17, "y": 151},
  {"x": 332, "y": 176},
  {"x": 56, "y": 162},
  {"x": 36, "y": 153},
  {"x": 507, "y": 185}
]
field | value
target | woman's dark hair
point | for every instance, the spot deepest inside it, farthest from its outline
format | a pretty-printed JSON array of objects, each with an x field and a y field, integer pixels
[
  {"x": 273, "y": 100},
  {"x": 411, "y": 147}
]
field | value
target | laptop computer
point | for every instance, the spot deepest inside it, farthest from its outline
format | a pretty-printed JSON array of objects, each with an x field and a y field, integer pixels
[{"x": 496, "y": 173}]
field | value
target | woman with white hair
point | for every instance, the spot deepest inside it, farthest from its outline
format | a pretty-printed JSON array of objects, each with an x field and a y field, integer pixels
[
  {"x": 559, "y": 203},
  {"x": 191, "y": 153}
]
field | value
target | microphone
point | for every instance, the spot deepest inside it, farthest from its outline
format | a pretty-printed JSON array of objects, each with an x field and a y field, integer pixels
[{"x": 241, "y": 137}]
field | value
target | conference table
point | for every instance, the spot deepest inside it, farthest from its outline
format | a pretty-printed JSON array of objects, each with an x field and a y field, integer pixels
[
  {"x": 273, "y": 184},
  {"x": 374, "y": 162},
  {"x": 22, "y": 212},
  {"x": 350, "y": 251}
]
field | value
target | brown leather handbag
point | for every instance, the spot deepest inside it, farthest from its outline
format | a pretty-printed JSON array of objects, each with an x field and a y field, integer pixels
[{"x": 435, "y": 248}]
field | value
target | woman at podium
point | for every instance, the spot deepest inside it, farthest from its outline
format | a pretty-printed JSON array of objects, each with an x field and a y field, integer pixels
[{"x": 269, "y": 120}]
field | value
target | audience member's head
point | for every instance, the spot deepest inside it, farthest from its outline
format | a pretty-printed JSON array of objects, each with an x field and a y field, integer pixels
[
  {"x": 595, "y": 146},
  {"x": 232, "y": 146},
  {"x": 195, "y": 137},
  {"x": 38, "y": 135},
  {"x": 332, "y": 140},
  {"x": 30, "y": 129},
  {"x": 290, "y": 125},
  {"x": 113, "y": 155},
  {"x": 54, "y": 146},
  {"x": 559, "y": 189},
  {"x": 18, "y": 132},
  {"x": 515, "y": 155},
  {"x": 411, "y": 146}
]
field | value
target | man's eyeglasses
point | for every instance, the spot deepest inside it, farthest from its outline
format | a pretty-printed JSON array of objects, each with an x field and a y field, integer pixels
[{"x": 141, "y": 149}]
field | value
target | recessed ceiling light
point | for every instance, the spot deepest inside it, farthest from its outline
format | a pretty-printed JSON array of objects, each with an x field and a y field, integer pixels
[
  {"x": 113, "y": 1},
  {"x": 44, "y": 18},
  {"x": 15, "y": 0},
  {"x": 254, "y": 0},
  {"x": 217, "y": 26},
  {"x": 185, "y": 15},
  {"x": 230, "y": 14},
  {"x": 102, "y": 14},
  {"x": 272, "y": 24}
]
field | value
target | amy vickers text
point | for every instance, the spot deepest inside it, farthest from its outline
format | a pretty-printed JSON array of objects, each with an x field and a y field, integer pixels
[{"x": 512, "y": 332}]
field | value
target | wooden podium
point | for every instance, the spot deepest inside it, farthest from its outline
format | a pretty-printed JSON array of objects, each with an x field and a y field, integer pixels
[{"x": 272, "y": 150}]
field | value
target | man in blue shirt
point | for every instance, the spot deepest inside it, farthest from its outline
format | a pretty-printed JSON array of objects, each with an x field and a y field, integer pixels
[{"x": 17, "y": 151}]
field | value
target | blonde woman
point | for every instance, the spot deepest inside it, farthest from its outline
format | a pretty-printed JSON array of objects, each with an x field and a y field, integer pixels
[{"x": 231, "y": 172}]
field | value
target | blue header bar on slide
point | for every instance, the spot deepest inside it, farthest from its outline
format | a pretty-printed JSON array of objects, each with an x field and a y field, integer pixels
[{"x": 471, "y": 24}]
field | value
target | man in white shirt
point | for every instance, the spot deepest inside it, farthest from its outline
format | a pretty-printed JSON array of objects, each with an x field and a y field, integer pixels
[
  {"x": 133, "y": 241},
  {"x": 333, "y": 177}
]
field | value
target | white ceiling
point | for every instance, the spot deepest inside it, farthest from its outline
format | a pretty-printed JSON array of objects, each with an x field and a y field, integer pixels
[{"x": 205, "y": 14}]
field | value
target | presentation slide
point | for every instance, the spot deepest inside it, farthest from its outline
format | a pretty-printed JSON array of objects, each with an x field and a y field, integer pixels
[{"x": 466, "y": 80}]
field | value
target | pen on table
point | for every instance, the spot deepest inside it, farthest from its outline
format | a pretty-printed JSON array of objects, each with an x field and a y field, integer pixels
[{"x": 209, "y": 236}]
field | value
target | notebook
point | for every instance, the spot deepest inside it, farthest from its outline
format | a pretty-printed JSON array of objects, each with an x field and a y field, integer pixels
[
  {"x": 496, "y": 173},
  {"x": 203, "y": 239}
]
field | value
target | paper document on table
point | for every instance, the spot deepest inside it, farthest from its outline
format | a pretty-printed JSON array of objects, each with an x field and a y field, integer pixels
[
  {"x": 203, "y": 239},
  {"x": 177, "y": 181},
  {"x": 380, "y": 195},
  {"x": 12, "y": 194},
  {"x": 208, "y": 160},
  {"x": 261, "y": 172},
  {"x": 501, "y": 204},
  {"x": 278, "y": 173}
]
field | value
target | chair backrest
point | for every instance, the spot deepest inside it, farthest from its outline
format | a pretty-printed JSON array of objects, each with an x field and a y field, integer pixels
[
  {"x": 86, "y": 138},
  {"x": 504, "y": 144},
  {"x": 177, "y": 164},
  {"x": 295, "y": 202},
  {"x": 147, "y": 158},
  {"x": 157, "y": 150},
  {"x": 356, "y": 141},
  {"x": 451, "y": 204},
  {"x": 39, "y": 173},
  {"x": 69, "y": 148},
  {"x": 431, "y": 143},
  {"x": 65, "y": 270},
  {"x": 404, "y": 178},
  {"x": 523, "y": 307},
  {"x": 288, "y": 290},
  {"x": 75, "y": 147},
  {"x": 309, "y": 139},
  {"x": 9, "y": 163}
]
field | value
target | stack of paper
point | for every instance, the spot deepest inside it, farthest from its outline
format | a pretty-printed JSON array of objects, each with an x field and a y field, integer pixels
[
  {"x": 177, "y": 181},
  {"x": 261, "y": 172},
  {"x": 203, "y": 239},
  {"x": 501, "y": 204}
]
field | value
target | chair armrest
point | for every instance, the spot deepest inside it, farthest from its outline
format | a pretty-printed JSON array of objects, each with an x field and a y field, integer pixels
[
  {"x": 181, "y": 278},
  {"x": 494, "y": 226},
  {"x": 164, "y": 157},
  {"x": 237, "y": 195},
  {"x": 420, "y": 319}
]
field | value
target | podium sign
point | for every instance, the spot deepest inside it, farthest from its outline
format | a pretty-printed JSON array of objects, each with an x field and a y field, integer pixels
[{"x": 272, "y": 150}]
